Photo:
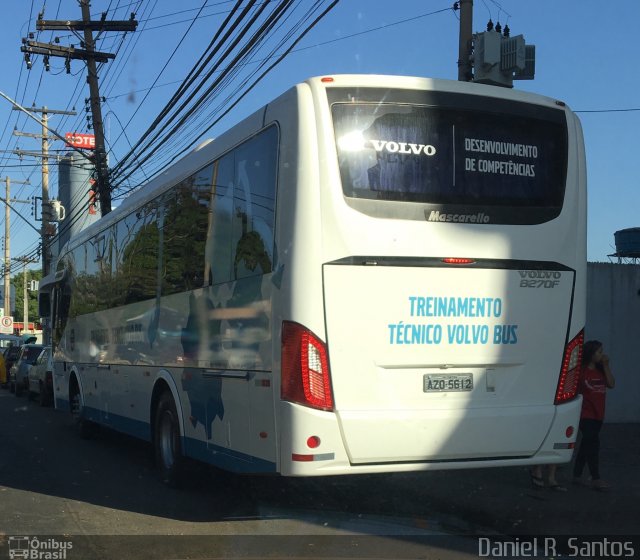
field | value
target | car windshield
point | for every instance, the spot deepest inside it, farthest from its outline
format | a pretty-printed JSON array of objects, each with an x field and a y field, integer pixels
[
  {"x": 6, "y": 341},
  {"x": 30, "y": 354}
]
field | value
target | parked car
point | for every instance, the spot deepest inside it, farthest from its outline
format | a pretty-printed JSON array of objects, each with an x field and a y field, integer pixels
[
  {"x": 7, "y": 340},
  {"x": 40, "y": 377},
  {"x": 18, "y": 375},
  {"x": 10, "y": 356}
]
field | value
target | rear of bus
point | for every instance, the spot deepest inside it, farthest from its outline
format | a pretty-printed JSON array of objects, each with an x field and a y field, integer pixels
[{"x": 437, "y": 275}]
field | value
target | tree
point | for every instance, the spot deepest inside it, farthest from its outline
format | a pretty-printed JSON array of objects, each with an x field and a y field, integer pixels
[{"x": 18, "y": 288}]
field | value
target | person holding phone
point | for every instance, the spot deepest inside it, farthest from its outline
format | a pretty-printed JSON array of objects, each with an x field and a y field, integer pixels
[{"x": 596, "y": 379}]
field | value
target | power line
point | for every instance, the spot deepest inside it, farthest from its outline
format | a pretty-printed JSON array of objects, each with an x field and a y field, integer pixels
[
  {"x": 175, "y": 50},
  {"x": 301, "y": 49},
  {"x": 217, "y": 45},
  {"x": 123, "y": 170}
]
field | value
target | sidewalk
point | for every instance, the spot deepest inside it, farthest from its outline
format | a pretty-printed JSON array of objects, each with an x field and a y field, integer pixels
[{"x": 503, "y": 500}]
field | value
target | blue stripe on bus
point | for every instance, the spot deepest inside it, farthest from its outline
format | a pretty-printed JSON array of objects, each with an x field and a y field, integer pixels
[
  {"x": 221, "y": 457},
  {"x": 227, "y": 459}
]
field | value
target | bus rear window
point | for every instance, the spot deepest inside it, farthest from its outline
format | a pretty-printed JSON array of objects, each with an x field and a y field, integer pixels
[{"x": 510, "y": 165}]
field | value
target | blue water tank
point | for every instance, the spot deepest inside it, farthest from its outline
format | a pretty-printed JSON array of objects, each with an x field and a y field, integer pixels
[{"x": 628, "y": 242}]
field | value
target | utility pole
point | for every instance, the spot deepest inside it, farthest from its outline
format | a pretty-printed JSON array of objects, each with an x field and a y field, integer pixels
[
  {"x": 25, "y": 302},
  {"x": 465, "y": 68},
  {"x": 91, "y": 56},
  {"x": 7, "y": 244},
  {"x": 46, "y": 207},
  {"x": 102, "y": 171}
]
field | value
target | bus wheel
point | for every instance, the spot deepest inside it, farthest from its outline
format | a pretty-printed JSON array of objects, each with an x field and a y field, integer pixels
[
  {"x": 85, "y": 428},
  {"x": 168, "y": 446}
]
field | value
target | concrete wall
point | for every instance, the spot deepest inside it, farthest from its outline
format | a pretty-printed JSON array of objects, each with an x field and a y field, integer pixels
[{"x": 613, "y": 317}]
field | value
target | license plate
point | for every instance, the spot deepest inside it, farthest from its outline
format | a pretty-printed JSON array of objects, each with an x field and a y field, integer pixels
[{"x": 440, "y": 383}]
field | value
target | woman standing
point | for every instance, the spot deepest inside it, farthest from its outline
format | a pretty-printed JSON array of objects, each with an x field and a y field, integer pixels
[{"x": 596, "y": 379}]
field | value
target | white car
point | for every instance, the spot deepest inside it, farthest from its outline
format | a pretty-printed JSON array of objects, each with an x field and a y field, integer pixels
[
  {"x": 18, "y": 380},
  {"x": 40, "y": 377}
]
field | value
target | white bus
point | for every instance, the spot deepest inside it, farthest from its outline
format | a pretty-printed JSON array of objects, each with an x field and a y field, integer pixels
[{"x": 369, "y": 274}]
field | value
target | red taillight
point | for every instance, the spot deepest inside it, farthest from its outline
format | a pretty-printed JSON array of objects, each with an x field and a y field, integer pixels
[
  {"x": 305, "y": 368},
  {"x": 457, "y": 260},
  {"x": 570, "y": 372}
]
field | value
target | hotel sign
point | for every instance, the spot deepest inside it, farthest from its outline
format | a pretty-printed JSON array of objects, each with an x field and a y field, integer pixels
[{"x": 79, "y": 140}]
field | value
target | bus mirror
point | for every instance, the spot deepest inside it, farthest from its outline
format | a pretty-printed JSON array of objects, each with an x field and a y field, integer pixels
[{"x": 44, "y": 304}]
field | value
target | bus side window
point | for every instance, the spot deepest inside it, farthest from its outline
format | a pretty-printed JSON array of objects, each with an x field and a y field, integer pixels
[
  {"x": 254, "y": 205},
  {"x": 218, "y": 247},
  {"x": 136, "y": 256},
  {"x": 186, "y": 214},
  {"x": 92, "y": 289},
  {"x": 55, "y": 331},
  {"x": 62, "y": 296},
  {"x": 61, "y": 310}
]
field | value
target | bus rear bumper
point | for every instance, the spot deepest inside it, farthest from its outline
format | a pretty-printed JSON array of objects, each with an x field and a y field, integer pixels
[
  {"x": 330, "y": 456},
  {"x": 560, "y": 442}
]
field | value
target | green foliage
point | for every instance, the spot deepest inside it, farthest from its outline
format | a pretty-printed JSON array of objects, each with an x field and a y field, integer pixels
[{"x": 32, "y": 296}]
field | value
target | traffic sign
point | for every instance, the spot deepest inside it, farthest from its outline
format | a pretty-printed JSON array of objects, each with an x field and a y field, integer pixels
[{"x": 6, "y": 325}]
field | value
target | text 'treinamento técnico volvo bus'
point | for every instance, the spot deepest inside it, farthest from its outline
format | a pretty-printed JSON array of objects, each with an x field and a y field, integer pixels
[{"x": 369, "y": 274}]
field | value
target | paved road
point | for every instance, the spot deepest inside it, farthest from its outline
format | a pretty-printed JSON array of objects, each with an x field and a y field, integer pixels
[
  {"x": 97, "y": 491},
  {"x": 53, "y": 483}
]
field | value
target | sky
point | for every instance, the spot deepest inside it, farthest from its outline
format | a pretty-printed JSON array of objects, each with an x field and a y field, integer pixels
[{"x": 585, "y": 56}]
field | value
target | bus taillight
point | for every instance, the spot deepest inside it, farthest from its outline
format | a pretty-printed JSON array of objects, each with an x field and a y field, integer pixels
[
  {"x": 457, "y": 260},
  {"x": 570, "y": 372},
  {"x": 305, "y": 368}
]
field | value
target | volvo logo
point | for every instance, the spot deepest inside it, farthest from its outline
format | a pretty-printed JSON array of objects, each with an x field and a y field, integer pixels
[{"x": 403, "y": 148}]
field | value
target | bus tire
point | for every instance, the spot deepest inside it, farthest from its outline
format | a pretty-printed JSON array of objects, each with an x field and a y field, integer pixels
[
  {"x": 167, "y": 441},
  {"x": 86, "y": 428}
]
